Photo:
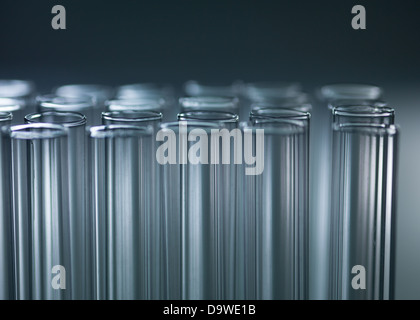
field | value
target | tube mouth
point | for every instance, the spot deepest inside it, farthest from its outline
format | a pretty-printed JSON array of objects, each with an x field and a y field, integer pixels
[
  {"x": 67, "y": 119},
  {"x": 11, "y": 104},
  {"x": 119, "y": 131},
  {"x": 194, "y": 88},
  {"x": 350, "y": 91},
  {"x": 208, "y": 103},
  {"x": 275, "y": 127},
  {"x": 5, "y": 116},
  {"x": 16, "y": 88},
  {"x": 34, "y": 131},
  {"x": 60, "y": 103},
  {"x": 132, "y": 116},
  {"x": 363, "y": 111},
  {"x": 356, "y": 102},
  {"x": 135, "y": 104},
  {"x": 77, "y": 90},
  {"x": 303, "y": 107},
  {"x": 367, "y": 129},
  {"x": 218, "y": 116},
  {"x": 279, "y": 113}
]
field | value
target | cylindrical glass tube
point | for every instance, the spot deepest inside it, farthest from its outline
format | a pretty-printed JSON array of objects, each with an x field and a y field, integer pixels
[
  {"x": 7, "y": 278},
  {"x": 226, "y": 204},
  {"x": 23, "y": 93},
  {"x": 121, "y": 159},
  {"x": 362, "y": 234},
  {"x": 40, "y": 211},
  {"x": 98, "y": 93},
  {"x": 229, "y": 104},
  {"x": 79, "y": 272},
  {"x": 276, "y": 205},
  {"x": 80, "y": 104},
  {"x": 330, "y": 96}
]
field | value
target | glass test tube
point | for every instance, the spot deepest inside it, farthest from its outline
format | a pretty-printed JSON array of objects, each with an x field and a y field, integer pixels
[
  {"x": 98, "y": 93},
  {"x": 80, "y": 270},
  {"x": 80, "y": 104},
  {"x": 40, "y": 211},
  {"x": 226, "y": 206},
  {"x": 7, "y": 278},
  {"x": 156, "y": 221},
  {"x": 121, "y": 159},
  {"x": 321, "y": 152},
  {"x": 277, "y": 205},
  {"x": 362, "y": 255}
]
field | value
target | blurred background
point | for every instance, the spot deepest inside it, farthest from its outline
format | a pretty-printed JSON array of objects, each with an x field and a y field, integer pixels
[{"x": 312, "y": 42}]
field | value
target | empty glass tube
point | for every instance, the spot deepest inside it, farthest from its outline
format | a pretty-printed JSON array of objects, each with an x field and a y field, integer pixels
[
  {"x": 330, "y": 96},
  {"x": 40, "y": 211},
  {"x": 363, "y": 204},
  {"x": 79, "y": 272},
  {"x": 276, "y": 209},
  {"x": 121, "y": 159},
  {"x": 7, "y": 278},
  {"x": 226, "y": 201},
  {"x": 98, "y": 93},
  {"x": 80, "y": 104}
]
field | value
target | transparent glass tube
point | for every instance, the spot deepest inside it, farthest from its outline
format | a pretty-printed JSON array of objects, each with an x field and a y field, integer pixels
[
  {"x": 23, "y": 93},
  {"x": 80, "y": 104},
  {"x": 276, "y": 218},
  {"x": 121, "y": 159},
  {"x": 209, "y": 103},
  {"x": 226, "y": 201},
  {"x": 330, "y": 96},
  {"x": 79, "y": 272},
  {"x": 98, "y": 93},
  {"x": 7, "y": 278},
  {"x": 40, "y": 211},
  {"x": 362, "y": 219}
]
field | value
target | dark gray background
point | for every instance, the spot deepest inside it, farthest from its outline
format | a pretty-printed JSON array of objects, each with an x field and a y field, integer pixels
[{"x": 114, "y": 42}]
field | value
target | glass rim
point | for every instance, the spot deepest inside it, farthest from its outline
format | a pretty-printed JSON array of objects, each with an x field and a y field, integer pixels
[
  {"x": 219, "y": 116},
  {"x": 206, "y": 125},
  {"x": 79, "y": 119},
  {"x": 39, "y": 131},
  {"x": 373, "y": 128},
  {"x": 279, "y": 113},
  {"x": 5, "y": 116},
  {"x": 118, "y": 131},
  {"x": 8, "y": 104},
  {"x": 211, "y": 102},
  {"x": 347, "y": 90},
  {"x": 65, "y": 103},
  {"x": 118, "y": 115},
  {"x": 135, "y": 104},
  {"x": 363, "y": 111}
]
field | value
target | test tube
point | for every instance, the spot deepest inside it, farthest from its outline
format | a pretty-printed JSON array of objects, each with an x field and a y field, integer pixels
[
  {"x": 152, "y": 119},
  {"x": 40, "y": 211},
  {"x": 79, "y": 272},
  {"x": 98, "y": 93},
  {"x": 121, "y": 157},
  {"x": 80, "y": 104},
  {"x": 362, "y": 256},
  {"x": 226, "y": 213},
  {"x": 7, "y": 277},
  {"x": 330, "y": 96},
  {"x": 276, "y": 239}
]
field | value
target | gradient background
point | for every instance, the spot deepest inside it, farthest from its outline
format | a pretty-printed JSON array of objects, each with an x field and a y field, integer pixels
[{"x": 116, "y": 42}]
